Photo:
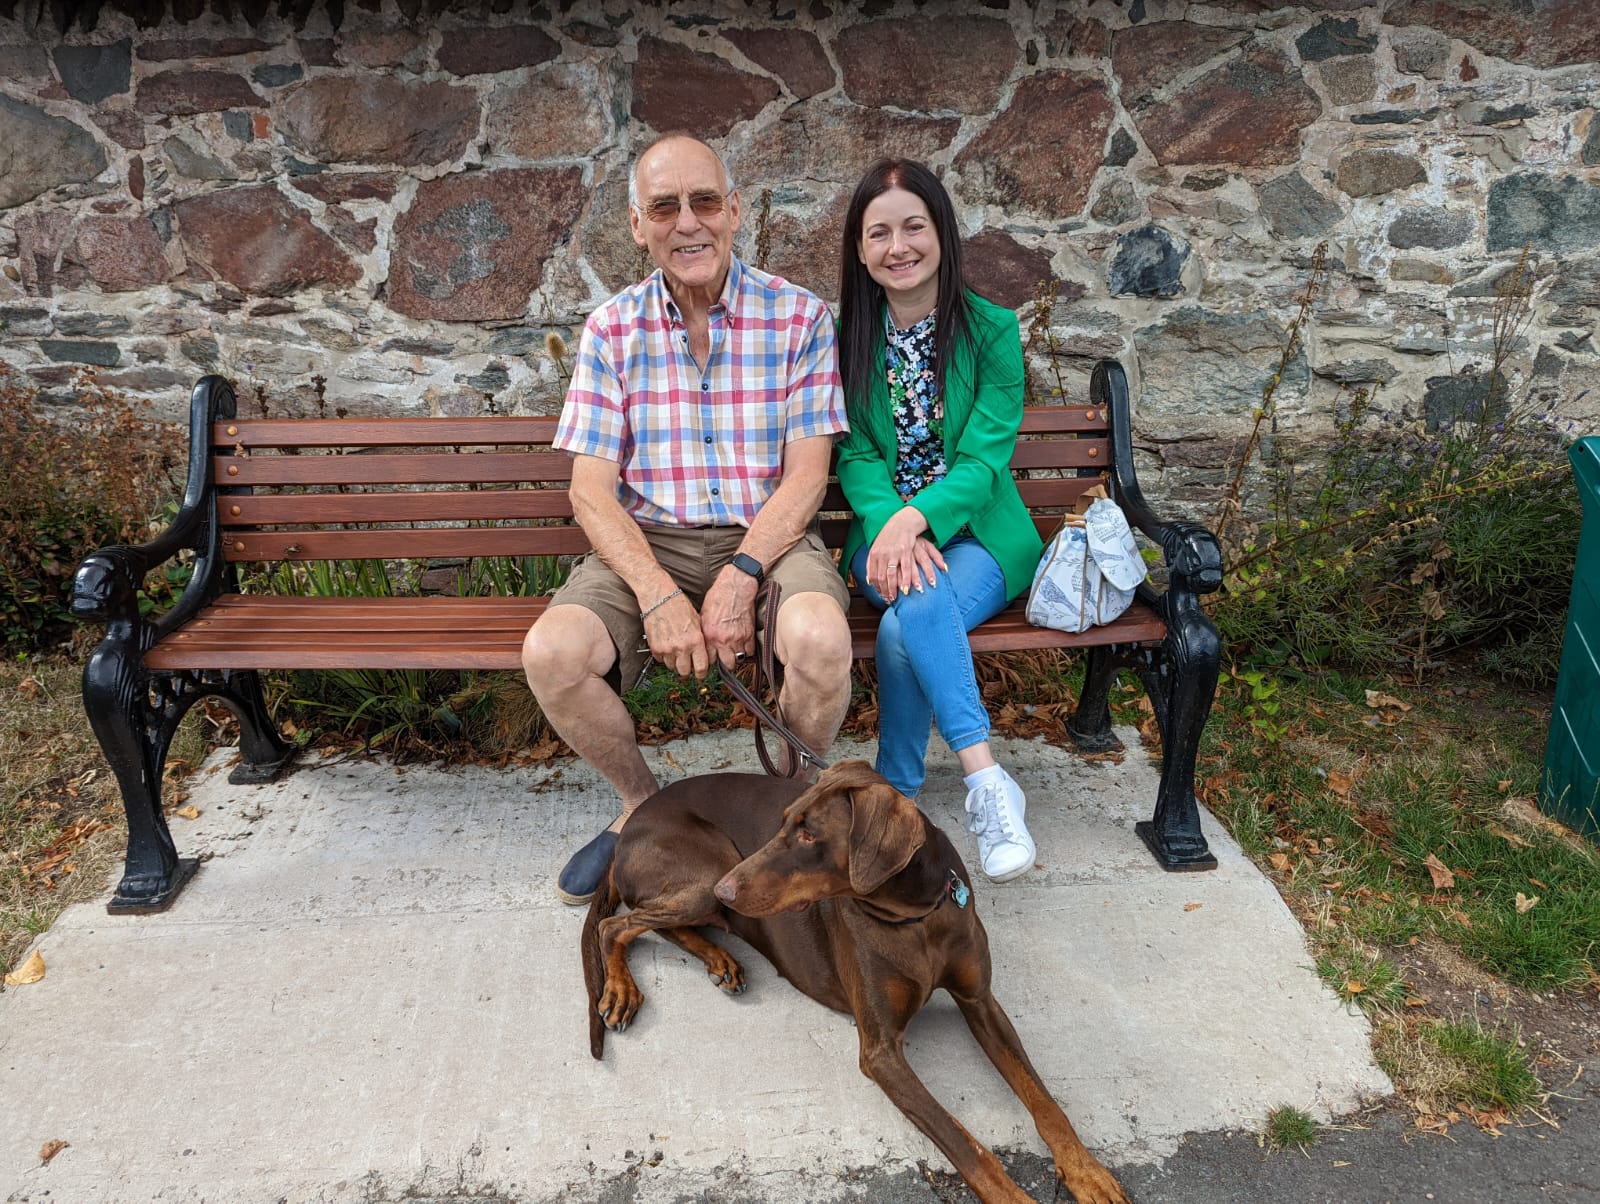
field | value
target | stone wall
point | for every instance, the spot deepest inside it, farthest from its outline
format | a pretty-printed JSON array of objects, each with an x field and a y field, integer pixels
[{"x": 387, "y": 216}]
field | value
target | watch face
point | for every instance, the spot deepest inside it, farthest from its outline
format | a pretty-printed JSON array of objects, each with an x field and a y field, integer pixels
[{"x": 746, "y": 563}]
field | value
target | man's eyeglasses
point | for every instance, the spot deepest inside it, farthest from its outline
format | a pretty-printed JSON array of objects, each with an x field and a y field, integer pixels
[{"x": 704, "y": 204}]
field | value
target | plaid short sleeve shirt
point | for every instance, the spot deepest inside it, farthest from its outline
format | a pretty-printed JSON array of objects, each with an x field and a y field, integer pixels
[{"x": 703, "y": 448}]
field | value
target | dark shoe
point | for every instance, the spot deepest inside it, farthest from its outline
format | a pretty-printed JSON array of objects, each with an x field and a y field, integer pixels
[{"x": 579, "y": 877}]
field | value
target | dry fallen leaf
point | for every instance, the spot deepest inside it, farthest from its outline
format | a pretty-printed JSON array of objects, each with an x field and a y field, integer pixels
[
  {"x": 1340, "y": 783},
  {"x": 1354, "y": 987},
  {"x": 1193, "y": 906},
  {"x": 1443, "y": 879},
  {"x": 28, "y": 687},
  {"x": 1511, "y": 838},
  {"x": 189, "y": 812},
  {"x": 1525, "y": 904},
  {"x": 1503, "y": 785},
  {"x": 29, "y": 972},
  {"x": 1377, "y": 699},
  {"x": 1279, "y": 862},
  {"x": 1416, "y": 1001},
  {"x": 51, "y": 1148}
]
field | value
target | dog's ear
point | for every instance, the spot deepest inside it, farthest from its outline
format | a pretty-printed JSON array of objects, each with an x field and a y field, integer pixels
[{"x": 885, "y": 833}]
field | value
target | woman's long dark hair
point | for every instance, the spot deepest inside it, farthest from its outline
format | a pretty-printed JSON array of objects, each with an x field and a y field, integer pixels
[{"x": 861, "y": 297}]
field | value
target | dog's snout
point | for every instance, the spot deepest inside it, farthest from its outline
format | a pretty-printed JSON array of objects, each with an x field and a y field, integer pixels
[{"x": 726, "y": 890}]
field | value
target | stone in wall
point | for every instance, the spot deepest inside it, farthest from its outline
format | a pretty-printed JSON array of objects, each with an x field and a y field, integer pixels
[
  {"x": 1117, "y": 204},
  {"x": 377, "y": 119},
  {"x": 122, "y": 254},
  {"x": 793, "y": 55},
  {"x": 44, "y": 252},
  {"x": 1248, "y": 112},
  {"x": 255, "y": 240},
  {"x": 606, "y": 238},
  {"x": 186, "y": 93},
  {"x": 675, "y": 88},
  {"x": 1004, "y": 270},
  {"x": 1557, "y": 33},
  {"x": 1420, "y": 52},
  {"x": 1552, "y": 213},
  {"x": 490, "y": 50},
  {"x": 1334, "y": 37},
  {"x": 905, "y": 63},
  {"x": 1294, "y": 209},
  {"x": 42, "y": 152},
  {"x": 1376, "y": 172},
  {"x": 558, "y": 111},
  {"x": 1431, "y": 228},
  {"x": 338, "y": 188},
  {"x": 805, "y": 246},
  {"x": 1041, "y": 153},
  {"x": 831, "y": 141},
  {"x": 94, "y": 73},
  {"x": 1349, "y": 81},
  {"x": 1202, "y": 373},
  {"x": 1149, "y": 58},
  {"x": 1148, "y": 262},
  {"x": 472, "y": 247}
]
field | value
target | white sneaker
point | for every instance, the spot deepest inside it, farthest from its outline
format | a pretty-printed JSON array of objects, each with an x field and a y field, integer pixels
[{"x": 994, "y": 815}]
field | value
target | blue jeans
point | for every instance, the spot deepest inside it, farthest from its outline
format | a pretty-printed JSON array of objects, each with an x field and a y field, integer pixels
[{"x": 925, "y": 673}]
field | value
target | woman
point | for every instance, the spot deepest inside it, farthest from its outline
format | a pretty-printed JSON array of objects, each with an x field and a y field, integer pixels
[{"x": 941, "y": 540}]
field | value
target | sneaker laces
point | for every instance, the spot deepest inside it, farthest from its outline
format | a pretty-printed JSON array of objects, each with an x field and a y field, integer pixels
[{"x": 987, "y": 820}]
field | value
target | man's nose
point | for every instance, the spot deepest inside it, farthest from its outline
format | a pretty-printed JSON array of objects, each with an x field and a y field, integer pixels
[{"x": 687, "y": 218}]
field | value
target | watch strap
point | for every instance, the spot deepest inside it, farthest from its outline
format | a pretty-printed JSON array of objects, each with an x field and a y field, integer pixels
[{"x": 747, "y": 563}]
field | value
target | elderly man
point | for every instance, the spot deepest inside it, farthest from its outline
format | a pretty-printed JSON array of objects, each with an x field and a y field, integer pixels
[{"x": 701, "y": 417}]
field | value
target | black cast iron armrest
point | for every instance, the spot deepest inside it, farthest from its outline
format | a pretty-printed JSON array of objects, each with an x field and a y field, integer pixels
[
  {"x": 106, "y": 585},
  {"x": 1193, "y": 556}
]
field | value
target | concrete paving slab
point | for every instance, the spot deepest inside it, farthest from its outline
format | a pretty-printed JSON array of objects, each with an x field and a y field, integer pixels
[{"x": 370, "y": 989}]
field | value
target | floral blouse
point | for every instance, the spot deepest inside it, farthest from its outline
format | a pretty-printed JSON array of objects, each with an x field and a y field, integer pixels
[{"x": 918, "y": 409}]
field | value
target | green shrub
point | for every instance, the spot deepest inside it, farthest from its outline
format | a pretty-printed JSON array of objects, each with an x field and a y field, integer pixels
[
  {"x": 1414, "y": 538},
  {"x": 90, "y": 474}
]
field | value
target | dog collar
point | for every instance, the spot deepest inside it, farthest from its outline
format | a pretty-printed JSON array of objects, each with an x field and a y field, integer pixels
[{"x": 954, "y": 888}]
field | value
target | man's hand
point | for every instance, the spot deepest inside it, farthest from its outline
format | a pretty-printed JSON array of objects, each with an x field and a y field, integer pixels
[
  {"x": 673, "y": 630},
  {"x": 728, "y": 620}
]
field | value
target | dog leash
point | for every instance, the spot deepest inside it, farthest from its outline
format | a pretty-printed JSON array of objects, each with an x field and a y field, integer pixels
[{"x": 801, "y": 757}]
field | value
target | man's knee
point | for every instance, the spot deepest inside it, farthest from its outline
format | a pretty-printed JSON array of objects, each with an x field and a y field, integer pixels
[
  {"x": 567, "y": 645},
  {"x": 814, "y": 637}
]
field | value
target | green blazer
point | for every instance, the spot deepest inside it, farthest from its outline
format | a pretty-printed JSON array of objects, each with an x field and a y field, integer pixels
[{"x": 982, "y": 411}]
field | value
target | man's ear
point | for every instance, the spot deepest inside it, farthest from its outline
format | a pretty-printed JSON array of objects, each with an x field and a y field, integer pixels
[
  {"x": 885, "y": 833},
  {"x": 735, "y": 209},
  {"x": 633, "y": 224}
]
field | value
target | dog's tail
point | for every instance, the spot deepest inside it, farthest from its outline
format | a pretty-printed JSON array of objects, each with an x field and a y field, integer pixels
[{"x": 601, "y": 906}]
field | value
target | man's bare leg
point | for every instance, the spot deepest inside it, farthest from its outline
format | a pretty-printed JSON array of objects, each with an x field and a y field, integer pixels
[
  {"x": 566, "y": 657},
  {"x": 813, "y": 642}
]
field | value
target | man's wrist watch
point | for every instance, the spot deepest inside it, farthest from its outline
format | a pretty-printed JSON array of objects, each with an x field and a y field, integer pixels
[{"x": 747, "y": 563}]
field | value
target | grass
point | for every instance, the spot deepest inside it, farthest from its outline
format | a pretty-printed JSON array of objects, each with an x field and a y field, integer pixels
[
  {"x": 1288, "y": 1128},
  {"x": 61, "y": 828},
  {"x": 1458, "y": 1063}
]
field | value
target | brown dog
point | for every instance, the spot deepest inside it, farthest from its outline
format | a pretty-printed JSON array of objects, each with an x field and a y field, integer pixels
[{"x": 859, "y": 901}]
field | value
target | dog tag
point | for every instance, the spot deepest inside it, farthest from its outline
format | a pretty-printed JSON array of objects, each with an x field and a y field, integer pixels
[{"x": 958, "y": 890}]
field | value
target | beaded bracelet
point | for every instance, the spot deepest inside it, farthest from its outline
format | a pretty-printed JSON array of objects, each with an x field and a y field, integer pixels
[{"x": 659, "y": 603}]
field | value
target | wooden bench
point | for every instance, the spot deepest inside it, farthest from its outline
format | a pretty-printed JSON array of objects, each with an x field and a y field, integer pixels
[{"x": 271, "y": 490}]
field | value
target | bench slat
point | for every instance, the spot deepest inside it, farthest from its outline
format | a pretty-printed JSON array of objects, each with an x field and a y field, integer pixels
[
  {"x": 433, "y": 505},
  {"x": 416, "y": 468},
  {"x": 499, "y": 431},
  {"x": 249, "y": 632},
  {"x": 447, "y": 543}
]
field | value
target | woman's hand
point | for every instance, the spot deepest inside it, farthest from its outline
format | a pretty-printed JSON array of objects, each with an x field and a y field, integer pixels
[{"x": 901, "y": 558}]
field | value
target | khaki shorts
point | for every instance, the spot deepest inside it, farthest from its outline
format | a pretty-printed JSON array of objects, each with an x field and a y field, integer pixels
[{"x": 692, "y": 557}]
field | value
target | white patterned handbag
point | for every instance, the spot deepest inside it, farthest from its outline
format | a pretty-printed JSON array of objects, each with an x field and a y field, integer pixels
[{"x": 1089, "y": 571}]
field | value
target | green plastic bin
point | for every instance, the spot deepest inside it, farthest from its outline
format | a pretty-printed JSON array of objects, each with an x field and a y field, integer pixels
[{"x": 1570, "y": 789}]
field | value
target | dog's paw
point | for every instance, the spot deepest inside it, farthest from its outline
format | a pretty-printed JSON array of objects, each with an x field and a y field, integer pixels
[
  {"x": 618, "y": 1008},
  {"x": 725, "y": 973}
]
